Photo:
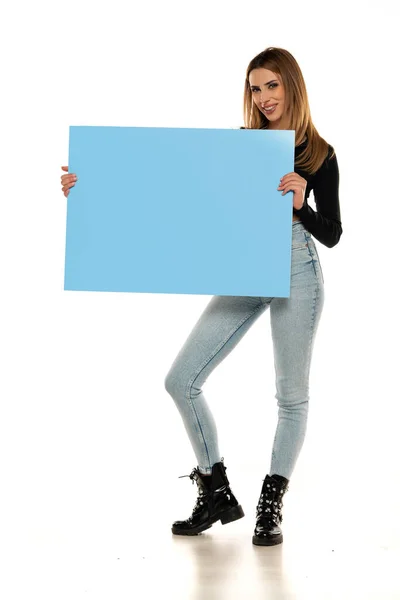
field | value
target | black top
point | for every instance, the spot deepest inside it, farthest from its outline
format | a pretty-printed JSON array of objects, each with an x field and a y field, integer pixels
[{"x": 324, "y": 223}]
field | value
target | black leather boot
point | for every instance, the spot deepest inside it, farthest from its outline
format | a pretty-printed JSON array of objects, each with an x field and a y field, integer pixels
[
  {"x": 269, "y": 514},
  {"x": 215, "y": 502}
]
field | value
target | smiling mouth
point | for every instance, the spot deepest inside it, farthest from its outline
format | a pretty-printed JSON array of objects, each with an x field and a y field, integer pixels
[{"x": 272, "y": 109}]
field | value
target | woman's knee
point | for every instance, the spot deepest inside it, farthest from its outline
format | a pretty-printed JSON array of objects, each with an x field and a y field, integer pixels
[
  {"x": 174, "y": 383},
  {"x": 291, "y": 394},
  {"x": 169, "y": 382}
]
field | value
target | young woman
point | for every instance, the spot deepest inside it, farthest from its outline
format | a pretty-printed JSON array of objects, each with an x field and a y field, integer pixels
[{"x": 275, "y": 97}]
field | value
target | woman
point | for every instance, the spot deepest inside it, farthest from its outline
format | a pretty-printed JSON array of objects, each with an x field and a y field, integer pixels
[{"x": 275, "y": 97}]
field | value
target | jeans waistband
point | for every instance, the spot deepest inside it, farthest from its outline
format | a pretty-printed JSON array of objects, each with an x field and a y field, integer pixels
[{"x": 298, "y": 224}]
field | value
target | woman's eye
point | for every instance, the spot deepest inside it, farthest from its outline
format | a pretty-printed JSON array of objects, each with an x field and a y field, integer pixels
[{"x": 270, "y": 85}]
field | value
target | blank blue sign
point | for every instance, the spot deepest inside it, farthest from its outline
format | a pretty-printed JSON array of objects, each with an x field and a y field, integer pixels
[{"x": 179, "y": 211}]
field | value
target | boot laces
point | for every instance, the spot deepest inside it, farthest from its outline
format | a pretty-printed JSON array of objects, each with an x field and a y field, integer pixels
[
  {"x": 194, "y": 476},
  {"x": 202, "y": 494}
]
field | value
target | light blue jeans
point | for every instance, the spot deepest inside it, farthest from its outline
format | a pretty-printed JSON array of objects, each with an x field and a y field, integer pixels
[{"x": 224, "y": 322}]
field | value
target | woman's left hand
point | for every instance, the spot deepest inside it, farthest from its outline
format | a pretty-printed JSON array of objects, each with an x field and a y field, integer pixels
[{"x": 293, "y": 181}]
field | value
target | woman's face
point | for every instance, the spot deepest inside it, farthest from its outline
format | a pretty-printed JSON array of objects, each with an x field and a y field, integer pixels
[{"x": 267, "y": 90}]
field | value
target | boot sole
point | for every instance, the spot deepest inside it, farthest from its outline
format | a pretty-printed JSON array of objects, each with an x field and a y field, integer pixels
[
  {"x": 267, "y": 541},
  {"x": 232, "y": 514}
]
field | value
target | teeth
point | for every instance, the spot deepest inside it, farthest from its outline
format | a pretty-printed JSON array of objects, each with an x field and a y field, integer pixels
[{"x": 270, "y": 108}]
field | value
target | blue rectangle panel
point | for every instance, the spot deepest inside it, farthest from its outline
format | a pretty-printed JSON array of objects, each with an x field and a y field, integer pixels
[{"x": 179, "y": 211}]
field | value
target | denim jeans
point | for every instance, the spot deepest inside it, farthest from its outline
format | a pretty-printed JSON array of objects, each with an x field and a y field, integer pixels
[{"x": 223, "y": 323}]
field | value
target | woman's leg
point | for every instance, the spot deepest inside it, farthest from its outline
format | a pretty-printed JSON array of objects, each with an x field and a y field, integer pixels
[
  {"x": 294, "y": 323},
  {"x": 219, "y": 329}
]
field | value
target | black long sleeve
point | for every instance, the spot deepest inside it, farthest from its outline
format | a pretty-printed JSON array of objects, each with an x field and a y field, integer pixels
[{"x": 324, "y": 223}]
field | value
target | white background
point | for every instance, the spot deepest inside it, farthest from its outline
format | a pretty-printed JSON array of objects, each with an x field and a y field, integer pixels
[{"x": 90, "y": 441}]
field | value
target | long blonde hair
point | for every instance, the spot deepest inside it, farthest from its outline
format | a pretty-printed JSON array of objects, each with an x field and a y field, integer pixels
[{"x": 280, "y": 61}]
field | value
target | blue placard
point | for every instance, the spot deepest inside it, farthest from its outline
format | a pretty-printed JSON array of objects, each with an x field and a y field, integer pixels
[{"x": 179, "y": 211}]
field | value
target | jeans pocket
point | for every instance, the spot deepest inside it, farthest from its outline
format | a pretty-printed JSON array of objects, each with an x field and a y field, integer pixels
[{"x": 299, "y": 243}]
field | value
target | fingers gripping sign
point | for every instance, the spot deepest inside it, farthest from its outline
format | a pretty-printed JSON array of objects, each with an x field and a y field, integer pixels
[
  {"x": 67, "y": 181},
  {"x": 297, "y": 184}
]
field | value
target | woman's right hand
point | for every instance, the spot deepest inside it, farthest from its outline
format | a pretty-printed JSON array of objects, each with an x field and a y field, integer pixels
[{"x": 67, "y": 181}]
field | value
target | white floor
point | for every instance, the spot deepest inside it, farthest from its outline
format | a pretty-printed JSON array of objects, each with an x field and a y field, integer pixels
[
  {"x": 336, "y": 545},
  {"x": 92, "y": 447}
]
